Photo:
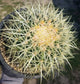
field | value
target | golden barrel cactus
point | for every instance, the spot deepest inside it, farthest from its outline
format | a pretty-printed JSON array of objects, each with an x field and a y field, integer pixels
[{"x": 37, "y": 40}]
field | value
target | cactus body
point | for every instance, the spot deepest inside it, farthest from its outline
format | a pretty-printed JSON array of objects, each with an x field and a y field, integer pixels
[{"x": 38, "y": 40}]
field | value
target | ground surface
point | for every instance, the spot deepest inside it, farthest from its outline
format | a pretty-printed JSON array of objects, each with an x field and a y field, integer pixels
[{"x": 70, "y": 76}]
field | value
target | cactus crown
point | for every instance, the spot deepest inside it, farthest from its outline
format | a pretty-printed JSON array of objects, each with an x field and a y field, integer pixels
[{"x": 38, "y": 40}]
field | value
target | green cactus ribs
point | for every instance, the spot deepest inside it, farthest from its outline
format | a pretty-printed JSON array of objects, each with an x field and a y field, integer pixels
[{"x": 37, "y": 40}]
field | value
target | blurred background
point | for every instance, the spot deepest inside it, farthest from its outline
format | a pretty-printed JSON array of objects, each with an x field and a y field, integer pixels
[{"x": 71, "y": 8}]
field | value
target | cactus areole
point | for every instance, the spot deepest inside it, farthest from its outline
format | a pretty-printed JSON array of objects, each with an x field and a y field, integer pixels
[{"x": 37, "y": 40}]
